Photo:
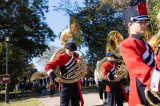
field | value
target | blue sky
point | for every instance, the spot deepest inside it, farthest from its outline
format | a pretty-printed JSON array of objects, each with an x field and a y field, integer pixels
[{"x": 57, "y": 20}]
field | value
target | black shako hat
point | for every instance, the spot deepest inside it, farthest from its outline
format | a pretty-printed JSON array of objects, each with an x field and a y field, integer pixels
[
  {"x": 71, "y": 46},
  {"x": 137, "y": 11}
]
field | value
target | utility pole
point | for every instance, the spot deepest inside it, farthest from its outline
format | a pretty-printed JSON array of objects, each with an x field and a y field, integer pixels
[{"x": 7, "y": 39}]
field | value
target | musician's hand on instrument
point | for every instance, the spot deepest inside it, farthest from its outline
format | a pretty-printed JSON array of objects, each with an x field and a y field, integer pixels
[{"x": 58, "y": 79}]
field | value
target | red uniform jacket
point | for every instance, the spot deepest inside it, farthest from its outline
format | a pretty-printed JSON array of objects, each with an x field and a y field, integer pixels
[
  {"x": 108, "y": 70},
  {"x": 61, "y": 60},
  {"x": 139, "y": 59}
]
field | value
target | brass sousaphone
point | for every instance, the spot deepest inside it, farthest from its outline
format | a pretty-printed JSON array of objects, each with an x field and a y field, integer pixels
[
  {"x": 113, "y": 41},
  {"x": 72, "y": 32},
  {"x": 154, "y": 43},
  {"x": 113, "y": 44},
  {"x": 80, "y": 69}
]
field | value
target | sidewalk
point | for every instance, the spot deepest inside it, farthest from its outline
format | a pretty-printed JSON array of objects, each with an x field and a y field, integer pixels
[{"x": 90, "y": 99}]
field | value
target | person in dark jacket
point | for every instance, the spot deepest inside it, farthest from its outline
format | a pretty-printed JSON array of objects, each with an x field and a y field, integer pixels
[{"x": 43, "y": 85}]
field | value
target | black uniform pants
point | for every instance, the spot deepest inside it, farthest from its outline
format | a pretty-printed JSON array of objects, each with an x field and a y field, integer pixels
[
  {"x": 115, "y": 96},
  {"x": 69, "y": 92},
  {"x": 102, "y": 90}
]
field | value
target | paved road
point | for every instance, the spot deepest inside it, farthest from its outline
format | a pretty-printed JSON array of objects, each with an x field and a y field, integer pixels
[{"x": 90, "y": 99}]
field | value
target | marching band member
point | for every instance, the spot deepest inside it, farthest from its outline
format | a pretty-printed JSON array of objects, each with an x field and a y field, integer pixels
[
  {"x": 114, "y": 90},
  {"x": 139, "y": 56},
  {"x": 66, "y": 62}
]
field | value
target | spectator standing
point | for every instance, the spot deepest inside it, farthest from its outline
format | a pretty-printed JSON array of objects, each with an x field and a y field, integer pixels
[
  {"x": 43, "y": 85},
  {"x": 101, "y": 87},
  {"x": 22, "y": 87}
]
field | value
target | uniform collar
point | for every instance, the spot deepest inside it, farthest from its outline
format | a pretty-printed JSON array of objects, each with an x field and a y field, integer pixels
[
  {"x": 68, "y": 55},
  {"x": 139, "y": 37}
]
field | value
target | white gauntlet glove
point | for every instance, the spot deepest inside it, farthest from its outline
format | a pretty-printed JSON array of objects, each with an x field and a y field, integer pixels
[{"x": 155, "y": 81}]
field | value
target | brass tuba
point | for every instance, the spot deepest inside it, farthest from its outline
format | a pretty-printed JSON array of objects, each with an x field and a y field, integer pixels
[
  {"x": 154, "y": 42},
  {"x": 113, "y": 41},
  {"x": 73, "y": 32},
  {"x": 98, "y": 68},
  {"x": 80, "y": 69},
  {"x": 155, "y": 96}
]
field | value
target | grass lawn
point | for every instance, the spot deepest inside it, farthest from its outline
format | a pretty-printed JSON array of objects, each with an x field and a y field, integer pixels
[{"x": 23, "y": 102}]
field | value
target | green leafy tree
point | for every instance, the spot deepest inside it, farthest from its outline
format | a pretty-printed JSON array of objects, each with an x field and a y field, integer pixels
[
  {"x": 24, "y": 22},
  {"x": 96, "y": 22},
  {"x": 154, "y": 9}
]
